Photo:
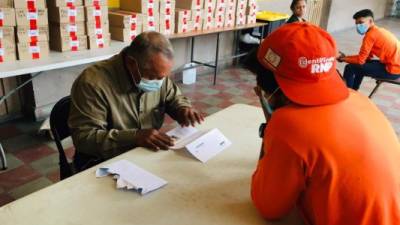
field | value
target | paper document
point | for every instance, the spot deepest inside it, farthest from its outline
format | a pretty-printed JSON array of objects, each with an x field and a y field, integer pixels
[
  {"x": 130, "y": 176},
  {"x": 201, "y": 144}
]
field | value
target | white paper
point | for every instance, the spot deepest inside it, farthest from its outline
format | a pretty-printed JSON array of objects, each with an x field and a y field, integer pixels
[
  {"x": 32, "y": 15},
  {"x": 1, "y": 33},
  {"x": 203, "y": 145},
  {"x": 1, "y": 15},
  {"x": 1, "y": 51},
  {"x": 131, "y": 176},
  {"x": 34, "y": 49},
  {"x": 33, "y": 33},
  {"x": 72, "y": 12}
]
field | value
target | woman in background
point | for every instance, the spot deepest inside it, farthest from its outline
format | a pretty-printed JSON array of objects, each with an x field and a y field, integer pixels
[{"x": 298, "y": 8}]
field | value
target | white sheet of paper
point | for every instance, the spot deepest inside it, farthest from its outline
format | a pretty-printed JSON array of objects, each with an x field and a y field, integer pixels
[
  {"x": 131, "y": 176},
  {"x": 208, "y": 145}
]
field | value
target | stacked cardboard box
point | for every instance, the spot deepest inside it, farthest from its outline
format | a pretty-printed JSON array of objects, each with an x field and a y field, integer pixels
[
  {"x": 124, "y": 25},
  {"x": 230, "y": 13},
  {"x": 32, "y": 29},
  {"x": 182, "y": 21},
  {"x": 197, "y": 19},
  {"x": 196, "y": 16},
  {"x": 67, "y": 27},
  {"x": 251, "y": 11},
  {"x": 7, "y": 35},
  {"x": 167, "y": 16},
  {"x": 220, "y": 13},
  {"x": 97, "y": 26},
  {"x": 241, "y": 12},
  {"x": 149, "y": 10},
  {"x": 209, "y": 19}
]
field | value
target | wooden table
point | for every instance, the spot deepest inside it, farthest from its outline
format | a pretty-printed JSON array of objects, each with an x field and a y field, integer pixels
[
  {"x": 59, "y": 60},
  {"x": 217, "y": 192}
]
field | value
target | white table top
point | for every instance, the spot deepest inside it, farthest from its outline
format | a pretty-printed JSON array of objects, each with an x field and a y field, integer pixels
[
  {"x": 58, "y": 60},
  {"x": 217, "y": 192}
]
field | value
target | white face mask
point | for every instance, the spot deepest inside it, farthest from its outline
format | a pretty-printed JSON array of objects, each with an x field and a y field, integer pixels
[{"x": 147, "y": 85}]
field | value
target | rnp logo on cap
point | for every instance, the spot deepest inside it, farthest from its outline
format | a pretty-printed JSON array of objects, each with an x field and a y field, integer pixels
[{"x": 319, "y": 65}]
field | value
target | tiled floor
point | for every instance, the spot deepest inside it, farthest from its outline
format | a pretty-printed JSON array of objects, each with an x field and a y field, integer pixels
[{"x": 33, "y": 160}]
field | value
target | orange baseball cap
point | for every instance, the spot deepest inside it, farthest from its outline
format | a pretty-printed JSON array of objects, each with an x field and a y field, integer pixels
[{"x": 302, "y": 57}]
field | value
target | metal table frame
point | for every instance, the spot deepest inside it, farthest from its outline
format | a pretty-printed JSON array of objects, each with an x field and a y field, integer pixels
[{"x": 192, "y": 35}]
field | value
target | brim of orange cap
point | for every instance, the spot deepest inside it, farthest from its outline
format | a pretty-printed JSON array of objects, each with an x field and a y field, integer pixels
[{"x": 330, "y": 90}]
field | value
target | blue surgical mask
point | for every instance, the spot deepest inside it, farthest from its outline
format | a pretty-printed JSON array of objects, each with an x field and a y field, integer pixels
[
  {"x": 150, "y": 85},
  {"x": 265, "y": 102},
  {"x": 362, "y": 28}
]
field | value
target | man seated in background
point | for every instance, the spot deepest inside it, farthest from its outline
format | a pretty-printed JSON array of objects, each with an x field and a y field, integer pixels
[
  {"x": 326, "y": 149},
  {"x": 120, "y": 103},
  {"x": 377, "y": 42},
  {"x": 299, "y": 8}
]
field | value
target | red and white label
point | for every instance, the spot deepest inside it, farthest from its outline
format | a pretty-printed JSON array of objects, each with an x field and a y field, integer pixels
[
  {"x": 98, "y": 31},
  {"x": 32, "y": 15},
  {"x": 100, "y": 42},
  {"x": 1, "y": 52},
  {"x": 72, "y": 28},
  {"x": 1, "y": 33},
  {"x": 1, "y": 18},
  {"x": 74, "y": 43},
  {"x": 198, "y": 4},
  {"x": 96, "y": 2},
  {"x": 133, "y": 34},
  {"x": 33, "y": 33},
  {"x": 31, "y": 4},
  {"x": 70, "y": 3},
  {"x": 150, "y": 8},
  {"x": 97, "y": 11},
  {"x": 34, "y": 49},
  {"x": 133, "y": 19}
]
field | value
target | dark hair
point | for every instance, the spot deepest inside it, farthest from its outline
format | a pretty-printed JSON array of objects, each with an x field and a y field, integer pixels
[
  {"x": 265, "y": 77},
  {"x": 363, "y": 13},
  {"x": 294, "y": 3},
  {"x": 147, "y": 44}
]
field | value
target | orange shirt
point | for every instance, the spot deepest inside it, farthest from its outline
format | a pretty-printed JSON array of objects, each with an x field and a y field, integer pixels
[
  {"x": 381, "y": 43},
  {"x": 340, "y": 164}
]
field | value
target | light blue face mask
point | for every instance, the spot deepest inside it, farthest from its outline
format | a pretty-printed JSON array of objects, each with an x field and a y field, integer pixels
[
  {"x": 362, "y": 28},
  {"x": 150, "y": 85},
  {"x": 265, "y": 104}
]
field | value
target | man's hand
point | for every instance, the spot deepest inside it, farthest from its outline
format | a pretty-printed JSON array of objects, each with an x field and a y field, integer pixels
[
  {"x": 153, "y": 139},
  {"x": 340, "y": 57},
  {"x": 187, "y": 116}
]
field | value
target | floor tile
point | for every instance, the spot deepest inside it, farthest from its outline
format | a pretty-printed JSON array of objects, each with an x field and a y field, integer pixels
[
  {"x": 16, "y": 177},
  {"x": 54, "y": 176},
  {"x": 30, "y": 187},
  {"x": 34, "y": 153},
  {"x": 46, "y": 164},
  {"x": 9, "y": 131},
  {"x": 12, "y": 163},
  {"x": 19, "y": 142},
  {"x": 5, "y": 199}
]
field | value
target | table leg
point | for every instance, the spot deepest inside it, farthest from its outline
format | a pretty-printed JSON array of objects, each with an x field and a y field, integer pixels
[
  {"x": 192, "y": 50},
  {"x": 216, "y": 60},
  {"x": 3, "y": 158}
]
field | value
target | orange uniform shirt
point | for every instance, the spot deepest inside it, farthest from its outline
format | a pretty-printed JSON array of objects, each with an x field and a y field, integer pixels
[
  {"x": 340, "y": 164},
  {"x": 381, "y": 43}
]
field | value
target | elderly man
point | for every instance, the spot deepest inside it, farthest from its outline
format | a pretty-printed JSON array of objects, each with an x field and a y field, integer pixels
[
  {"x": 120, "y": 103},
  {"x": 327, "y": 150}
]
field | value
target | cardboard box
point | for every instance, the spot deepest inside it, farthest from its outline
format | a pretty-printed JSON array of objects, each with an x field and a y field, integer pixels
[
  {"x": 189, "y": 4},
  {"x": 92, "y": 12},
  {"x": 66, "y": 15},
  {"x": 231, "y": 5},
  {"x": 124, "y": 19},
  {"x": 7, "y": 17},
  {"x": 167, "y": 24},
  {"x": 183, "y": 21},
  {"x": 148, "y": 7},
  {"x": 24, "y": 17},
  {"x": 251, "y": 8},
  {"x": 33, "y": 50},
  {"x": 167, "y": 7},
  {"x": 219, "y": 11},
  {"x": 26, "y": 34},
  {"x": 210, "y": 4},
  {"x": 151, "y": 23},
  {"x": 95, "y": 2},
  {"x": 64, "y": 3},
  {"x": 221, "y": 4},
  {"x": 209, "y": 23},
  {"x": 67, "y": 43},
  {"x": 229, "y": 19},
  {"x": 25, "y": 4},
  {"x": 103, "y": 42},
  {"x": 220, "y": 21},
  {"x": 241, "y": 7},
  {"x": 197, "y": 17},
  {"x": 251, "y": 19},
  {"x": 7, "y": 52},
  {"x": 240, "y": 19},
  {"x": 6, "y": 3},
  {"x": 7, "y": 35},
  {"x": 125, "y": 34},
  {"x": 92, "y": 30},
  {"x": 66, "y": 29}
]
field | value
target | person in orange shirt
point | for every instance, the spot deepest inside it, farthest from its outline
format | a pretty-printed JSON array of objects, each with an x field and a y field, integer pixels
[
  {"x": 377, "y": 42},
  {"x": 327, "y": 150}
]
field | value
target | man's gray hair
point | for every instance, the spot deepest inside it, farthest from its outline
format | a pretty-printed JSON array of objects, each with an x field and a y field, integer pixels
[{"x": 147, "y": 44}]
